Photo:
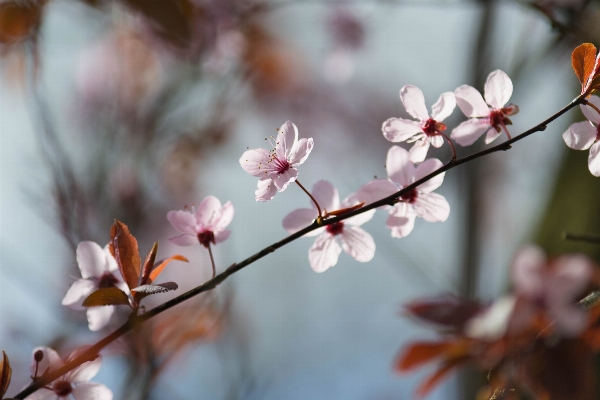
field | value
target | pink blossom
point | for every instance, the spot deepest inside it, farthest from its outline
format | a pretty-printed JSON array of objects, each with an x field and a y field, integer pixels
[
  {"x": 426, "y": 130},
  {"x": 98, "y": 270},
  {"x": 551, "y": 286},
  {"x": 205, "y": 224},
  {"x": 419, "y": 202},
  {"x": 74, "y": 384},
  {"x": 586, "y": 135},
  {"x": 498, "y": 89},
  {"x": 325, "y": 251},
  {"x": 276, "y": 168}
]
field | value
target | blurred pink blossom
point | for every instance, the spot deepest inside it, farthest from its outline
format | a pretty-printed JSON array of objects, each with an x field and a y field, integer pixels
[{"x": 586, "y": 135}]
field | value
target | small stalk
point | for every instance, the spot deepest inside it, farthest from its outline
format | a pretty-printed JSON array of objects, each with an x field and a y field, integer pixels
[{"x": 312, "y": 198}]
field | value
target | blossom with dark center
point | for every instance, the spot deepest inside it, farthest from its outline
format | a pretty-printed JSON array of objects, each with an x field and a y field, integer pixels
[
  {"x": 485, "y": 114},
  {"x": 204, "y": 224},
  {"x": 74, "y": 384},
  {"x": 276, "y": 168},
  {"x": 427, "y": 129},
  {"x": 325, "y": 251},
  {"x": 586, "y": 135},
  {"x": 98, "y": 270},
  {"x": 418, "y": 202}
]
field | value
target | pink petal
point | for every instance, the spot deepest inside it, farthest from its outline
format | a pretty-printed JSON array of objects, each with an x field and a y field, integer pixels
[
  {"x": 443, "y": 107},
  {"x": 470, "y": 102},
  {"x": 432, "y": 207},
  {"x": 358, "y": 243},
  {"x": 182, "y": 221},
  {"x": 326, "y": 195},
  {"x": 527, "y": 271},
  {"x": 98, "y": 317},
  {"x": 589, "y": 112},
  {"x": 569, "y": 321},
  {"x": 301, "y": 151},
  {"x": 424, "y": 169},
  {"x": 580, "y": 135},
  {"x": 92, "y": 391},
  {"x": 91, "y": 259},
  {"x": 571, "y": 275},
  {"x": 594, "y": 159},
  {"x": 376, "y": 190},
  {"x": 401, "y": 226},
  {"x": 266, "y": 190},
  {"x": 221, "y": 236},
  {"x": 399, "y": 167},
  {"x": 184, "y": 240},
  {"x": 43, "y": 394},
  {"x": 51, "y": 360},
  {"x": 492, "y": 135},
  {"x": 436, "y": 141},
  {"x": 111, "y": 262},
  {"x": 256, "y": 162},
  {"x": 284, "y": 179},
  {"x": 225, "y": 218},
  {"x": 469, "y": 131},
  {"x": 300, "y": 219},
  {"x": 286, "y": 139},
  {"x": 419, "y": 150},
  {"x": 86, "y": 371},
  {"x": 79, "y": 290},
  {"x": 414, "y": 102},
  {"x": 400, "y": 129},
  {"x": 492, "y": 324},
  {"x": 498, "y": 89},
  {"x": 324, "y": 253},
  {"x": 207, "y": 213}
]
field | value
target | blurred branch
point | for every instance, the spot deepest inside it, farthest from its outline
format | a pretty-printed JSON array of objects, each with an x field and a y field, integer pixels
[{"x": 582, "y": 237}]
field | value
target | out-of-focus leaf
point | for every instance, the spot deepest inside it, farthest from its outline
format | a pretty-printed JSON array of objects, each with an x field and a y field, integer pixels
[
  {"x": 154, "y": 289},
  {"x": 19, "y": 20},
  {"x": 449, "y": 310},
  {"x": 156, "y": 271},
  {"x": 5, "y": 374},
  {"x": 124, "y": 248},
  {"x": 171, "y": 19},
  {"x": 422, "y": 352},
  {"x": 110, "y": 296},
  {"x": 149, "y": 264},
  {"x": 430, "y": 383}
]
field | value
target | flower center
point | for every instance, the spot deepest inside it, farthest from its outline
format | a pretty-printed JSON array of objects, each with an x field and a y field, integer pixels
[
  {"x": 433, "y": 128},
  {"x": 206, "y": 238},
  {"x": 107, "y": 280},
  {"x": 281, "y": 165},
  {"x": 62, "y": 388},
  {"x": 409, "y": 197},
  {"x": 335, "y": 228}
]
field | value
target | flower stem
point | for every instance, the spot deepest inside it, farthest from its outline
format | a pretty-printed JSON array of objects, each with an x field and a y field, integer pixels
[
  {"x": 451, "y": 146},
  {"x": 212, "y": 260},
  {"x": 311, "y": 197},
  {"x": 506, "y": 130}
]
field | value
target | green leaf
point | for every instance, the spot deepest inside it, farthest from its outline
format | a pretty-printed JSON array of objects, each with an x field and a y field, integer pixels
[{"x": 110, "y": 296}]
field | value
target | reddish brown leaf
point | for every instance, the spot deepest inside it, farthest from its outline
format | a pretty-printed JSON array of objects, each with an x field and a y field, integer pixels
[
  {"x": 422, "y": 352},
  {"x": 124, "y": 248},
  {"x": 449, "y": 310},
  {"x": 149, "y": 264},
  {"x": 5, "y": 374},
  {"x": 19, "y": 20},
  {"x": 110, "y": 296},
  {"x": 430, "y": 383},
  {"x": 583, "y": 60},
  {"x": 345, "y": 210},
  {"x": 163, "y": 264}
]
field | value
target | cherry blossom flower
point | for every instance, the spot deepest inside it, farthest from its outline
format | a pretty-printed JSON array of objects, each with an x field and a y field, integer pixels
[
  {"x": 586, "y": 135},
  {"x": 98, "y": 270},
  {"x": 325, "y": 251},
  {"x": 551, "y": 287},
  {"x": 205, "y": 224},
  {"x": 426, "y": 130},
  {"x": 74, "y": 384},
  {"x": 276, "y": 168},
  {"x": 497, "y": 91},
  {"x": 419, "y": 202}
]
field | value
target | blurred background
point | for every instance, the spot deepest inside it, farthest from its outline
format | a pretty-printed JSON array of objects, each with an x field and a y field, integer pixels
[{"x": 130, "y": 108}]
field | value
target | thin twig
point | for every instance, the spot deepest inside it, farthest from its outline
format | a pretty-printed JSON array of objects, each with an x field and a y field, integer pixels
[
  {"x": 581, "y": 237},
  {"x": 92, "y": 352}
]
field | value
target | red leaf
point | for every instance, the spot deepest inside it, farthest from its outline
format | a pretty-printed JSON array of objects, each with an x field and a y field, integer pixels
[
  {"x": 163, "y": 264},
  {"x": 5, "y": 374},
  {"x": 110, "y": 296},
  {"x": 584, "y": 62},
  {"x": 124, "y": 248},
  {"x": 451, "y": 311},
  {"x": 149, "y": 264},
  {"x": 422, "y": 352},
  {"x": 19, "y": 20},
  {"x": 430, "y": 383}
]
